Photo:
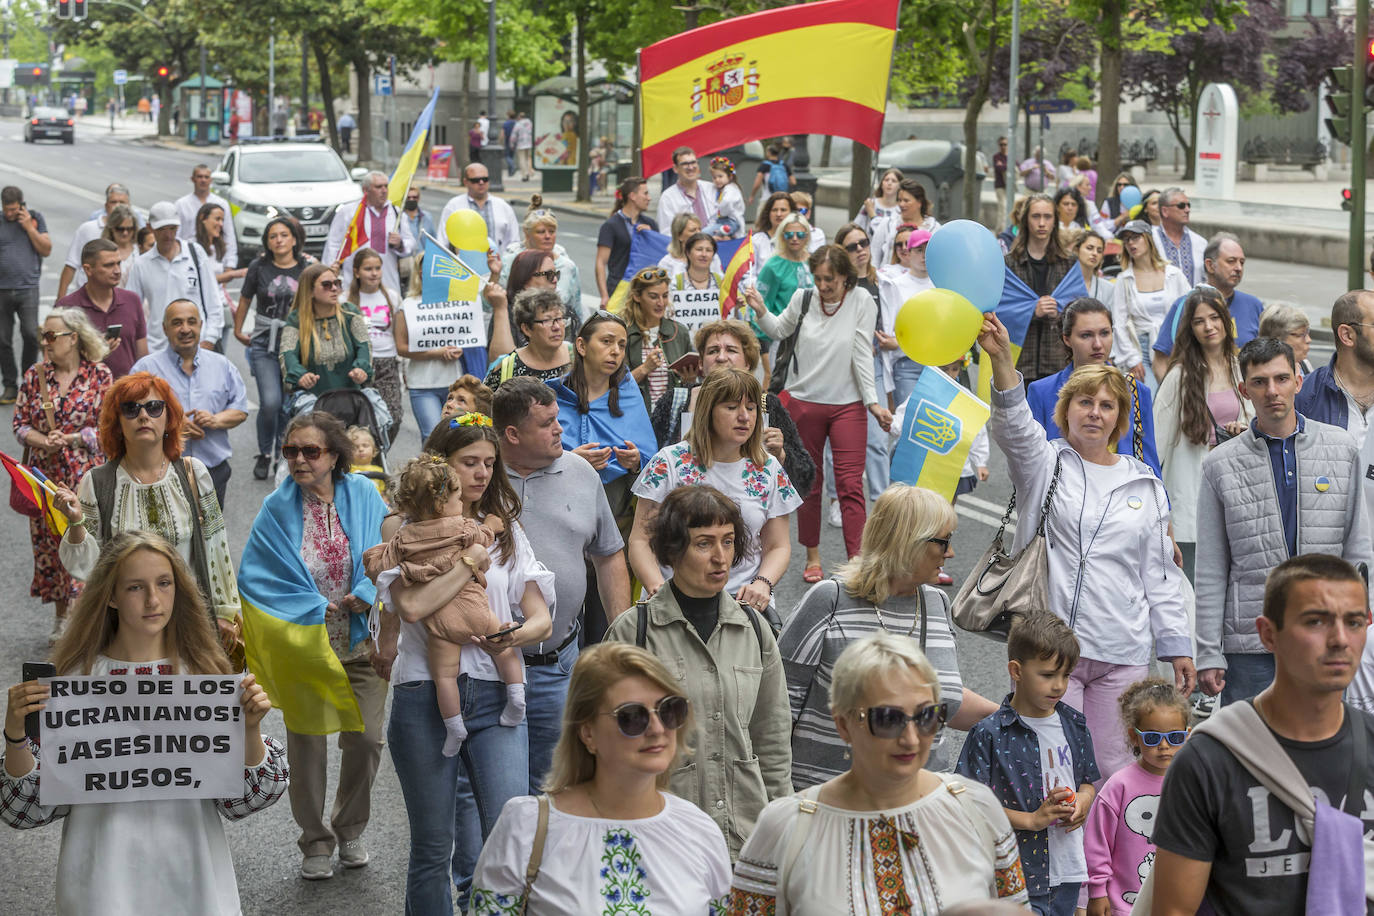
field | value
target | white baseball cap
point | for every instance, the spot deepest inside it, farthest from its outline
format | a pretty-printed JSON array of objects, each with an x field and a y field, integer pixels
[{"x": 163, "y": 214}]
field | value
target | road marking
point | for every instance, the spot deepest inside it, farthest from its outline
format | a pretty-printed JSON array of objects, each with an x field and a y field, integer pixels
[
  {"x": 994, "y": 508},
  {"x": 973, "y": 515},
  {"x": 54, "y": 183}
]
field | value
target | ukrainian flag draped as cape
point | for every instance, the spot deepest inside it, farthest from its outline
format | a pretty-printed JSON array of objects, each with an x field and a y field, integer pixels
[
  {"x": 1015, "y": 311},
  {"x": 598, "y": 424},
  {"x": 283, "y": 611}
]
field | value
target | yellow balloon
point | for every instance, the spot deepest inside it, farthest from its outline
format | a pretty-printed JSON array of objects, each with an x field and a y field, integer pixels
[
  {"x": 466, "y": 230},
  {"x": 937, "y": 326}
]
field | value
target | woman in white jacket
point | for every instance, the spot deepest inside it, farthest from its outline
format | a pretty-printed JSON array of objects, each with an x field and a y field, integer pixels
[
  {"x": 1199, "y": 395},
  {"x": 1112, "y": 575},
  {"x": 1144, "y": 291}
]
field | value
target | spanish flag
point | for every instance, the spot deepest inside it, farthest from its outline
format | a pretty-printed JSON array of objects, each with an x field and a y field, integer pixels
[
  {"x": 357, "y": 232},
  {"x": 735, "y": 272},
  {"x": 37, "y": 489},
  {"x": 766, "y": 74},
  {"x": 940, "y": 420},
  {"x": 410, "y": 159}
]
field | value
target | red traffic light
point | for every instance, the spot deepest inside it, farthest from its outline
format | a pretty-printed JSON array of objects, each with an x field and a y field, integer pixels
[
  {"x": 37, "y": 71},
  {"x": 162, "y": 72},
  {"x": 1347, "y": 199}
]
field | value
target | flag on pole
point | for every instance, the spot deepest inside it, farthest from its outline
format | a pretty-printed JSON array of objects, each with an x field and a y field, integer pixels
[
  {"x": 35, "y": 487},
  {"x": 356, "y": 237},
  {"x": 1015, "y": 311},
  {"x": 939, "y": 423},
  {"x": 410, "y": 158},
  {"x": 735, "y": 271},
  {"x": 756, "y": 76}
]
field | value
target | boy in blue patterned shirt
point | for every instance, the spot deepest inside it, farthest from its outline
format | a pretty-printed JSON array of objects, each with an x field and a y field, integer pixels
[{"x": 1036, "y": 755}]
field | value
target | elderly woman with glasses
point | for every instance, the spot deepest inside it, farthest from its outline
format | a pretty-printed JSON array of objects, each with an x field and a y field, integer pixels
[
  {"x": 654, "y": 341},
  {"x": 541, "y": 234},
  {"x": 886, "y": 835},
  {"x": 121, "y": 228},
  {"x": 547, "y": 352}
]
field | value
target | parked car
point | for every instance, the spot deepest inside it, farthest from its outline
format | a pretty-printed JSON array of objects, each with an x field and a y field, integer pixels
[
  {"x": 265, "y": 177},
  {"x": 49, "y": 124}
]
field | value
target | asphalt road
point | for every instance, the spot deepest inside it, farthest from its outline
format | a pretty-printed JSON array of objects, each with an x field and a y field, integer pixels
[{"x": 65, "y": 183}]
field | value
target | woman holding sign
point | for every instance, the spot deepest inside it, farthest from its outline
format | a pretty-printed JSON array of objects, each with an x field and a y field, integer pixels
[
  {"x": 654, "y": 341},
  {"x": 141, "y": 613}
]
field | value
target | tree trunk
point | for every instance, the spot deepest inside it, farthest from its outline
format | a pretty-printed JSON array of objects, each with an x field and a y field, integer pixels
[
  {"x": 327, "y": 93},
  {"x": 860, "y": 177},
  {"x": 584, "y": 132},
  {"x": 972, "y": 203},
  {"x": 164, "y": 115},
  {"x": 1190, "y": 147},
  {"x": 362, "y": 70},
  {"x": 825, "y": 152},
  {"x": 1109, "y": 123},
  {"x": 305, "y": 83}
]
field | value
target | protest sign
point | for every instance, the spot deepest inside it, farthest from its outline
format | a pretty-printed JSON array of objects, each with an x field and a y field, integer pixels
[
  {"x": 120, "y": 739},
  {"x": 445, "y": 324},
  {"x": 694, "y": 307}
]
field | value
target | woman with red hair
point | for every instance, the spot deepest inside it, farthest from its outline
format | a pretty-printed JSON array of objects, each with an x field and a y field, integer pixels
[{"x": 145, "y": 485}]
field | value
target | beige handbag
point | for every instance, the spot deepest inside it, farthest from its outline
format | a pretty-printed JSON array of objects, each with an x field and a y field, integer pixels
[{"x": 1001, "y": 587}]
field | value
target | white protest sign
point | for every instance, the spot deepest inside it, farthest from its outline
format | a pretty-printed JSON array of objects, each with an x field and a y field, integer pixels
[
  {"x": 431, "y": 325},
  {"x": 120, "y": 739},
  {"x": 694, "y": 307}
]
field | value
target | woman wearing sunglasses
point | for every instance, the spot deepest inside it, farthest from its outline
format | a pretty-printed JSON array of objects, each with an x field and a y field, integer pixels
[
  {"x": 787, "y": 270},
  {"x": 724, "y": 655},
  {"x": 145, "y": 485},
  {"x": 62, "y": 441},
  {"x": 928, "y": 841},
  {"x": 611, "y": 832},
  {"x": 303, "y": 563},
  {"x": 121, "y": 228},
  {"x": 654, "y": 341},
  {"x": 324, "y": 345}
]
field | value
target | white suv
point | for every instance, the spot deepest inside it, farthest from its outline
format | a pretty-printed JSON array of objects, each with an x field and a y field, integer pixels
[{"x": 274, "y": 176}]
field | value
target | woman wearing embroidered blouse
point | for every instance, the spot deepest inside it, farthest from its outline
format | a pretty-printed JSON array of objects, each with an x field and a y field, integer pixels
[
  {"x": 612, "y": 833},
  {"x": 724, "y": 449},
  {"x": 888, "y": 587},
  {"x": 324, "y": 345},
  {"x": 158, "y": 855},
  {"x": 653, "y": 340},
  {"x": 887, "y": 835},
  {"x": 145, "y": 485}
]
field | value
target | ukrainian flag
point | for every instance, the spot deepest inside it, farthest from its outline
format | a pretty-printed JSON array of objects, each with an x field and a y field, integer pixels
[
  {"x": 1015, "y": 311},
  {"x": 940, "y": 423},
  {"x": 410, "y": 159},
  {"x": 447, "y": 278}
]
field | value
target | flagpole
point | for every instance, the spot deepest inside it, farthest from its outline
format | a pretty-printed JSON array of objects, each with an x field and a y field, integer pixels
[{"x": 637, "y": 140}]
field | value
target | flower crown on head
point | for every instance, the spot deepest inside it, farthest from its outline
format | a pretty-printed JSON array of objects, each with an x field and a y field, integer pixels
[
  {"x": 472, "y": 418},
  {"x": 724, "y": 164}
]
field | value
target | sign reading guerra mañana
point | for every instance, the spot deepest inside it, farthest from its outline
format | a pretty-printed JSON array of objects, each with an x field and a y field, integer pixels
[
  {"x": 452, "y": 323},
  {"x": 119, "y": 739}
]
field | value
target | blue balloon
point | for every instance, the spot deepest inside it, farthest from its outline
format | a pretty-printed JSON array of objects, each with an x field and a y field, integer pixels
[
  {"x": 964, "y": 256},
  {"x": 1130, "y": 196}
]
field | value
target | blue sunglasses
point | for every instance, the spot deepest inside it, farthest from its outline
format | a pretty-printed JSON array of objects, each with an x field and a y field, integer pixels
[{"x": 1152, "y": 739}]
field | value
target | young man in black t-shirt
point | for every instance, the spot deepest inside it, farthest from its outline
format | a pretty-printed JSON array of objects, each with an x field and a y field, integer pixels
[{"x": 1220, "y": 834}]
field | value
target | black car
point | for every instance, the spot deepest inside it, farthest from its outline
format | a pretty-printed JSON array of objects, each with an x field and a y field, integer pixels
[{"x": 49, "y": 124}]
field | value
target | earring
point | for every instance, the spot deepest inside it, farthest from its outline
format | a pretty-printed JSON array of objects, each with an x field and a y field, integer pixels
[{"x": 846, "y": 752}]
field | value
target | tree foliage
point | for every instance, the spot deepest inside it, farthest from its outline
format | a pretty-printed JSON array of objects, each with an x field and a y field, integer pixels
[{"x": 1302, "y": 65}]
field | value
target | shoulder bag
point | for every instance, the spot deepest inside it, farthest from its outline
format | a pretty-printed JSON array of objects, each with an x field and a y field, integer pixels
[
  {"x": 20, "y": 502},
  {"x": 1001, "y": 587},
  {"x": 541, "y": 832},
  {"x": 787, "y": 348}
]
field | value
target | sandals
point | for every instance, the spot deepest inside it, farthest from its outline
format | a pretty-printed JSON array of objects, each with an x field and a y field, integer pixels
[{"x": 812, "y": 574}]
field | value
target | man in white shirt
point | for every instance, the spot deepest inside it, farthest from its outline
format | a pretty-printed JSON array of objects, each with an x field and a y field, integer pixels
[
  {"x": 1179, "y": 245},
  {"x": 189, "y": 206},
  {"x": 173, "y": 269},
  {"x": 384, "y": 231},
  {"x": 503, "y": 228},
  {"x": 687, "y": 194},
  {"x": 72, "y": 276},
  {"x": 485, "y": 123}
]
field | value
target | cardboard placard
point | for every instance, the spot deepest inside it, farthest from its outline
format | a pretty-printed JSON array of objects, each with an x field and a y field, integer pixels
[
  {"x": 694, "y": 307},
  {"x": 453, "y": 323}
]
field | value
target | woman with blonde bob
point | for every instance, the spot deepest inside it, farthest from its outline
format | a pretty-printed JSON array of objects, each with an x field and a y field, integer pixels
[
  {"x": 723, "y": 448},
  {"x": 948, "y": 840},
  {"x": 1112, "y": 573},
  {"x": 888, "y": 587},
  {"x": 608, "y": 830},
  {"x": 141, "y": 616}
]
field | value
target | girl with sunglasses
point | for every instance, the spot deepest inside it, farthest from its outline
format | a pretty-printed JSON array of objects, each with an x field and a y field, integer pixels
[
  {"x": 121, "y": 227},
  {"x": 61, "y": 441},
  {"x": 1116, "y": 839},
  {"x": 945, "y": 840},
  {"x": 654, "y": 341},
  {"x": 611, "y": 832},
  {"x": 724, "y": 654},
  {"x": 146, "y": 485},
  {"x": 325, "y": 344},
  {"x": 787, "y": 270}
]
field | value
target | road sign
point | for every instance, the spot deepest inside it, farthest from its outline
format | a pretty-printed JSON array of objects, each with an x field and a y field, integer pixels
[
  {"x": 381, "y": 84},
  {"x": 121, "y": 77},
  {"x": 1050, "y": 106},
  {"x": 7, "y": 72}
]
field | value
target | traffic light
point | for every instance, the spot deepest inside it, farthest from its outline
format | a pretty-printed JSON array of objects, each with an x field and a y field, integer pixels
[
  {"x": 1347, "y": 199},
  {"x": 30, "y": 75},
  {"x": 163, "y": 72},
  {"x": 78, "y": 10},
  {"x": 64, "y": 9},
  {"x": 1338, "y": 101}
]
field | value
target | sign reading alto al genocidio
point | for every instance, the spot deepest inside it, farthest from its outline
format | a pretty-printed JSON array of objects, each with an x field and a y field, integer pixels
[
  {"x": 118, "y": 739},
  {"x": 454, "y": 323}
]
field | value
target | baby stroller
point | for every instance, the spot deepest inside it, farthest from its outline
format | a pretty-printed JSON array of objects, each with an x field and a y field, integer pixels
[{"x": 353, "y": 407}]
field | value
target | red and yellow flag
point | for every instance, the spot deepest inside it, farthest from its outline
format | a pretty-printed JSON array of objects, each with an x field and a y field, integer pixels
[
  {"x": 809, "y": 68},
  {"x": 735, "y": 272},
  {"x": 37, "y": 489},
  {"x": 357, "y": 232}
]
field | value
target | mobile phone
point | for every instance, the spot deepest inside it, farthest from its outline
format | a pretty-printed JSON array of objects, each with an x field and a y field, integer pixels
[
  {"x": 113, "y": 331},
  {"x": 507, "y": 631},
  {"x": 687, "y": 365},
  {"x": 32, "y": 672}
]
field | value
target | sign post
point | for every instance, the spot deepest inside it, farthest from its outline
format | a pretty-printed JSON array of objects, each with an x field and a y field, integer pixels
[{"x": 1218, "y": 116}]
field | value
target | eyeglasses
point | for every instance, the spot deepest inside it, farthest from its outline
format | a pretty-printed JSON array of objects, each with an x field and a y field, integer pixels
[
  {"x": 311, "y": 452},
  {"x": 550, "y": 275},
  {"x": 794, "y": 235},
  {"x": 652, "y": 274},
  {"x": 943, "y": 542},
  {"x": 633, "y": 718},
  {"x": 51, "y": 336},
  {"x": 1152, "y": 739},
  {"x": 478, "y": 179},
  {"x": 688, "y": 164},
  {"x": 551, "y": 322},
  {"x": 854, "y": 247},
  {"x": 331, "y": 284},
  {"x": 123, "y": 228},
  {"x": 890, "y": 721},
  {"x": 1183, "y": 206},
  {"x": 130, "y": 409}
]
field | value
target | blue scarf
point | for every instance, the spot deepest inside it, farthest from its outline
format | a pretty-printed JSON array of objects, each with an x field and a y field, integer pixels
[{"x": 598, "y": 425}]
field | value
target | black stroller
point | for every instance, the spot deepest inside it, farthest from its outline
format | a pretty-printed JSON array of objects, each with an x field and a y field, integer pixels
[{"x": 353, "y": 407}]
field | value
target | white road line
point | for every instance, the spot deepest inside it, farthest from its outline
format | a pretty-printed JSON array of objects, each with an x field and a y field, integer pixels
[
  {"x": 992, "y": 521},
  {"x": 984, "y": 504},
  {"x": 54, "y": 183}
]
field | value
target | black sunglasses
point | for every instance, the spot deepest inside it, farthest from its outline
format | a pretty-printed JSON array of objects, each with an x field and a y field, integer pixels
[
  {"x": 54, "y": 336},
  {"x": 1182, "y": 206},
  {"x": 943, "y": 542},
  {"x": 1152, "y": 739},
  {"x": 130, "y": 409},
  {"x": 633, "y": 718},
  {"x": 853, "y": 247},
  {"x": 550, "y": 275},
  {"x": 890, "y": 721},
  {"x": 480, "y": 179},
  {"x": 311, "y": 452},
  {"x": 331, "y": 284}
]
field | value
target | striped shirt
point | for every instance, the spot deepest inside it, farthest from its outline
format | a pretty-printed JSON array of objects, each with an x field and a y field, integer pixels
[{"x": 827, "y": 620}]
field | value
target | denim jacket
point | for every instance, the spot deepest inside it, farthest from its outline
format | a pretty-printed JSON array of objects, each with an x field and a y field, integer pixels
[{"x": 1002, "y": 752}]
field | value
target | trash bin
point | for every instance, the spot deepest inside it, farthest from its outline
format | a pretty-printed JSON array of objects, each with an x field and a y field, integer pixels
[{"x": 939, "y": 166}]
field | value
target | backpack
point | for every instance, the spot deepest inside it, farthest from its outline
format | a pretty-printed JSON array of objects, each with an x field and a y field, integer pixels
[
  {"x": 777, "y": 176},
  {"x": 642, "y": 627}
]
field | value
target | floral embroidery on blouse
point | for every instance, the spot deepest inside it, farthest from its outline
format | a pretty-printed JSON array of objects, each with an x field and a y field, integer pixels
[
  {"x": 490, "y": 902},
  {"x": 325, "y": 550},
  {"x": 755, "y": 480},
  {"x": 886, "y": 843},
  {"x": 622, "y": 875}
]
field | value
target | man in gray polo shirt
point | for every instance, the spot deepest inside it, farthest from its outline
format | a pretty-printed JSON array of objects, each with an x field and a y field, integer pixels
[
  {"x": 24, "y": 243},
  {"x": 568, "y": 521}
]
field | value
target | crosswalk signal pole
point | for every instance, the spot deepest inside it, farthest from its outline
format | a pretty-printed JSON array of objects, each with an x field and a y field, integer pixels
[{"x": 1359, "y": 144}]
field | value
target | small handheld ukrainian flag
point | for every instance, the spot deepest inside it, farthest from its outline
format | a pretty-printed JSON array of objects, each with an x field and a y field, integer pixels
[
  {"x": 446, "y": 277},
  {"x": 941, "y": 420}
]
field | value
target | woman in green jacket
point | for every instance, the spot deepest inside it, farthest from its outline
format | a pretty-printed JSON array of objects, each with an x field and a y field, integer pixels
[
  {"x": 653, "y": 340},
  {"x": 324, "y": 345}
]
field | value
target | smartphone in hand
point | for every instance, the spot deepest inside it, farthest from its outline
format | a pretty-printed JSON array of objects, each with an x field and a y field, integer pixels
[
  {"x": 33, "y": 671},
  {"x": 507, "y": 631},
  {"x": 113, "y": 331}
]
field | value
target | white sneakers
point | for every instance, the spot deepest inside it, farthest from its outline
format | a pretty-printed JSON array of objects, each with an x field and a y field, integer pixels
[{"x": 352, "y": 854}]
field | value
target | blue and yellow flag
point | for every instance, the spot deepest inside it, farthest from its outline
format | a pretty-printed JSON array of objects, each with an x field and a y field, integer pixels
[
  {"x": 410, "y": 158},
  {"x": 447, "y": 278},
  {"x": 1015, "y": 311},
  {"x": 941, "y": 420}
]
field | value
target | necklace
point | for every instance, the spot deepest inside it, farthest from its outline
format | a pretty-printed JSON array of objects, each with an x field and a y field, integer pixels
[
  {"x": 830, "y": 313},
  {"x": 160, "y": 474},
  {"x": 599, "y": 813},
  {"x": 915, "y": 620},
  {"x": 1362, "y": 402}
]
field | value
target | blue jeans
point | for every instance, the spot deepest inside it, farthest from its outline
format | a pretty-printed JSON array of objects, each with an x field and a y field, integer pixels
[
  {"x": 448, "y": 819},
  {"x": 267, "y": 373},
  {"x": 905, "y": 373},
  {"x": 546, "y": 691},
  {"x": 1246, "y": 675},
  {"x": 428, "y": 406},
  {"x": 1060, "y": 901}
]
